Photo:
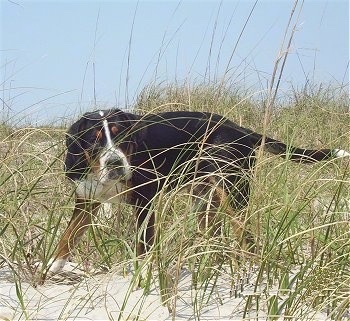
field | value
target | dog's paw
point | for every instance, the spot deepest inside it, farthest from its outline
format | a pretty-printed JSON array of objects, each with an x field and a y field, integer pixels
[
  {"x": 56, "y": 266},
  {"x": 53, "y": 267}
]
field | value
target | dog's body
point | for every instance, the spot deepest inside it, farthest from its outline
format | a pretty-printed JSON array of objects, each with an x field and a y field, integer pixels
[{"x": 116, "y": 156}]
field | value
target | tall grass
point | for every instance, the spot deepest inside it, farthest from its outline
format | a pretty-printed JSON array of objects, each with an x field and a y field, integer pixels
[{"x": 298, "y": 214}]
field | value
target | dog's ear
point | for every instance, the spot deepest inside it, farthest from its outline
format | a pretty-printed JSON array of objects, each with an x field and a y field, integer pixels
[{"x": 76, "y": 163}]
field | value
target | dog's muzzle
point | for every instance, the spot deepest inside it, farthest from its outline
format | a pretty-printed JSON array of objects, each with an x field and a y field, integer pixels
[{"x": 115, "y": 168}]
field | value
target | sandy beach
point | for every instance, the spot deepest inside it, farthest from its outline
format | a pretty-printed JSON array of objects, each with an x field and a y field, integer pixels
[{"x": 112, "y": 296}]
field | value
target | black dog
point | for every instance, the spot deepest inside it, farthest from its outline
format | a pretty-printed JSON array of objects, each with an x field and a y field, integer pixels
[{"x": 116, "y": 156}]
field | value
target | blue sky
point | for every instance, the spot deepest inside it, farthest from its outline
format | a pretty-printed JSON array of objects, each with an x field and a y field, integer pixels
[{"x": 55, "y": 53}]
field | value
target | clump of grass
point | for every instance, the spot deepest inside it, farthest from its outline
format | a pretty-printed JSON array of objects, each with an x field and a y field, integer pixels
[
  {"x": 303, "y": 258},
  {"x": 230, "y": 101},
  {"x": 30, "y": 184}
]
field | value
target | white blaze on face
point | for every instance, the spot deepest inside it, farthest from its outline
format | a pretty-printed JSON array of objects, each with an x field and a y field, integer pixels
[
  {"x": 107, "y": 132},
  {"x": 111, "y": 152}
]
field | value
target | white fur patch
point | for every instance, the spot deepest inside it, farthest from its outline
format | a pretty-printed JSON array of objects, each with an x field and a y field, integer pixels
[
  {"x": 341, "y": 153},
  {"x": 56, "y": 266},
  {"x": 108, "y": 134},
  {"x": 109, "y": 152},
  {"x": 92, "y": 188}
]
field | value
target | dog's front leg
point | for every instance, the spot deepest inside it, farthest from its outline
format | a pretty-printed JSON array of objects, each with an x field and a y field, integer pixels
[
  {"x": 145, "y": 240},
  {"x": 145, "y": 227},
  {"x": 80, "y": 221}
]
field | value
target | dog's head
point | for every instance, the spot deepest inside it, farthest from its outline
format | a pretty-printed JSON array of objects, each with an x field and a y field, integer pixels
[{"x": 99, "y": 147}]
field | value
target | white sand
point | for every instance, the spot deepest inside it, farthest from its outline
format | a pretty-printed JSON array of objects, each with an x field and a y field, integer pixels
[{"x": 111, "y": 295}]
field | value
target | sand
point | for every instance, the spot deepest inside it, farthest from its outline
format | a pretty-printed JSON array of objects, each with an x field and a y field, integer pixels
[{"x": 112, "y": 296}]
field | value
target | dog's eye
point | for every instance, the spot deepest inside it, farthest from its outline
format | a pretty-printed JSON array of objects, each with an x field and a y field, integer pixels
[
  {"x": 114, "y": 130},
  {"x": 98, "y": 135},
  {"x": 93, "y": 138}
]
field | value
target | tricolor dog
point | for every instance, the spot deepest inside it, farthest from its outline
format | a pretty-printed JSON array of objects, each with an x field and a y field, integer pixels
[{"x": 115, "y": 156}]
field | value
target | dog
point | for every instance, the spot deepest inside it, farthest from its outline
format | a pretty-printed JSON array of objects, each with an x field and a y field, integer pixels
[{"x": 117, "y": 156}]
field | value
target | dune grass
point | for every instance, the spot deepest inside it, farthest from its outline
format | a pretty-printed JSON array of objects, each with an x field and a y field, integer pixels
[{"x": 298, "y": 214}]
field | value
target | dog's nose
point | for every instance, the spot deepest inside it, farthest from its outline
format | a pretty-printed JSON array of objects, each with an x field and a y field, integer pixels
[
  {"x": 114, "y": 163},
  {"x": 115, "y": 167}
]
